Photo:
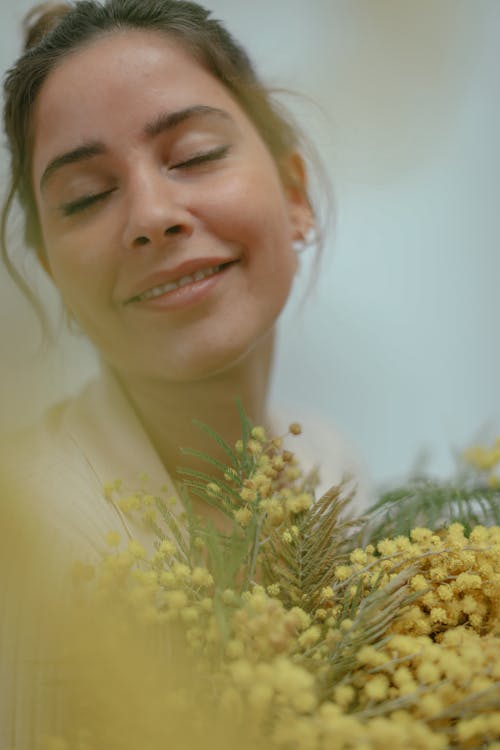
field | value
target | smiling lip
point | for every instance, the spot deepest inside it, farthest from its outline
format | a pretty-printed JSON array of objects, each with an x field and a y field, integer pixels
[{"x": 185, "y": 274}]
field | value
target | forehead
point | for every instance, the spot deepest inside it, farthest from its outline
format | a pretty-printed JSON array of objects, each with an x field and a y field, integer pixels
[{"x": 109, "y": 88}]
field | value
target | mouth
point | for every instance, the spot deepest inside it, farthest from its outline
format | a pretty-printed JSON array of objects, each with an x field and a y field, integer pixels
[{"x": 171, "y": 286}]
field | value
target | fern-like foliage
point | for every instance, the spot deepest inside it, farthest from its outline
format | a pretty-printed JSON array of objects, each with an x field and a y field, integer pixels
[
  {"x": 371, "y": 618},
  {"x": 424, "y": 502},
  {"x": 302, "y": 561}
]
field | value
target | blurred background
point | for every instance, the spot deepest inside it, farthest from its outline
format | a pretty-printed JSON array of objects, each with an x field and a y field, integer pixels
[{"x": 397, "y": 343}]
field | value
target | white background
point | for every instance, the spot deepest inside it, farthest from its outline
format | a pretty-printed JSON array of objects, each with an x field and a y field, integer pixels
[{"x": 398, "y": 342}]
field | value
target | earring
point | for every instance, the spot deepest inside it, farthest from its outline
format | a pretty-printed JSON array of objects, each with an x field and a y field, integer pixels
[{"x": 305, "y": 241}]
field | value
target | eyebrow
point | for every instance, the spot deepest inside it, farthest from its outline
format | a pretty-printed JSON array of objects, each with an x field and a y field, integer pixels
[{"x": 164, "y": 122}]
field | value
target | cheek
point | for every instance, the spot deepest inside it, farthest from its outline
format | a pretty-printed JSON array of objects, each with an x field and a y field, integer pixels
[
  {"x": 250, "y": 208},
  {"x": 81, "y": 282},
  {"x": 83, "y": 262}
]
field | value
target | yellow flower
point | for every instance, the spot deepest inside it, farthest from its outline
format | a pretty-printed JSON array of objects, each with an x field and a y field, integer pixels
[
  {"x": 418, "y": 582},
  {"x": 176, "y": 600},
  {"x": 359, "y": 557},
  {"x": 167, "y": 548},
  {"x": 469, "y": 604},
  {"x": 113, "y": 539},
  {"x": 467, "y": 581},
  {"x": 136, "y": 550},
  {"x": 310, "y": 637},
  {"x": 344, "y": 695},
  {"x": 369, "y": 656},
  {"x": 438, "y": 614},
  {"x": 248, "y": 495},
  {"x": 130, "y": 503},
  {"x": 445, "y": 592},
  {"x": 493, "y": 481},
  {"x": 326, "y": 593},
  {"x": 243, "y": 516},
  {"x": 181, "y": 571},
  {"x": 298, "y": 618},
  {"x": 201, "y": 577},
  {"x": 254, "y": 447},
  {"x": 300, "y": 503},
  {"x": 419, "y": 534},
  {"x": 346, "y": 624},
  {"x": 402, "y": 676},
  {"x": 167, "y": 578},
  {"x": 482, "y": 458},
  {"x": 377, "y": 688},
  {"x": 150, "y": 516},
  {"x": 190, "y": 615},
  {"x": 110, "y": 488},
  {"x": 428, "y": 673},
  {"x": 229, "y": 596},
  {"x": 342, "y": 572},
  {"x": 429, "y": 705},
  {"x": 259, "y": 434},
  {"x": 387, "y": 547}
]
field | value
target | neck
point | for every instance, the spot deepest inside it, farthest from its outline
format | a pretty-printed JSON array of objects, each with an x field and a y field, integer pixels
[{"x": 167, "y": 409}]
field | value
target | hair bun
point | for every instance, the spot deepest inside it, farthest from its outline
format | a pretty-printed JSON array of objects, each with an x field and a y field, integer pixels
[{"x": 41, "y": 20}]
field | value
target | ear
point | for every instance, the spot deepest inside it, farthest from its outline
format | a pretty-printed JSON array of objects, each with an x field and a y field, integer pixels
[{"x": 295, "y": 179}]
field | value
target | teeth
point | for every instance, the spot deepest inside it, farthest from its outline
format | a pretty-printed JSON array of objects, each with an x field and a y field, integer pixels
[
  {"x": 157, "y": 291},
  {"x": 185, "y": 280}
]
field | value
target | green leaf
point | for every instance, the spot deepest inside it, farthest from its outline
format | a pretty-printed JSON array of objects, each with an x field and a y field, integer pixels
[
  {"x": 204, "y": 457},
  {"x": 219, "y": 440}
]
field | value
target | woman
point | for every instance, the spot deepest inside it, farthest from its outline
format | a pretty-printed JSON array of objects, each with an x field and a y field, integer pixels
[{"x": 165, "y": 194}]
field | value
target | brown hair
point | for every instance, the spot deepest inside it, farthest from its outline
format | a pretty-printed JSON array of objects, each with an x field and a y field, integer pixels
[{"x": 54, "y": 30}]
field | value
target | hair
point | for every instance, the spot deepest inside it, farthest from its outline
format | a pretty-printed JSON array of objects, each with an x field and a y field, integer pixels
[{"x": 54, "y": 30}]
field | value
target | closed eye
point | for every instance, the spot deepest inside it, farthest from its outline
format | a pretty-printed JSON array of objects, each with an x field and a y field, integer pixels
[
  {"x": 206, "y": 156},
  {"x": 86, "y": 201},
  {"x": 68, "y": 209}
]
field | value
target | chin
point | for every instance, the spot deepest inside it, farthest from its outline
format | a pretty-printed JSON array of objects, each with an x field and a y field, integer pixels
[
  {"x": 205, "y": 368},
  {"x": 197, "y": 364}
]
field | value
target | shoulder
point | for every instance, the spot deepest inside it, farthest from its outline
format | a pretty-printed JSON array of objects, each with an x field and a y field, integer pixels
[
  {"x": 48, "y": 472},
  {"x": 59, "y": 467}
]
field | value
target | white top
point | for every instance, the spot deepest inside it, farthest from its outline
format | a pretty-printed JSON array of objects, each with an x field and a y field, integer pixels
[
  {"x": 58, "y": 470},
  {"x": 55, "y": 476}
]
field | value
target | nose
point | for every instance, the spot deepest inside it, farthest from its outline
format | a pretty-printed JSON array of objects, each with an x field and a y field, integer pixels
[{"x": 155, "y": 213}]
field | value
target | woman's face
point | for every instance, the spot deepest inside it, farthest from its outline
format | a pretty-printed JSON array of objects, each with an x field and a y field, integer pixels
[{"x": 165, "y": 224}]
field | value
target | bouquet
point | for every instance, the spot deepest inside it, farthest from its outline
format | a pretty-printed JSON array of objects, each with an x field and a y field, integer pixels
[{"x": 291, "y": 625}]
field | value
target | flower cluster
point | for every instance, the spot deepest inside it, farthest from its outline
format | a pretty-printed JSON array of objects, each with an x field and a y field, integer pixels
[
  {"x": 266, "y": 481},
  {"x": 486, "y": 460},
  {"x": 299, "y": 636},
  {"x": 425, "y": 681},
  {"x": 455, "y": 578}
]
